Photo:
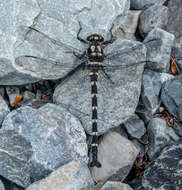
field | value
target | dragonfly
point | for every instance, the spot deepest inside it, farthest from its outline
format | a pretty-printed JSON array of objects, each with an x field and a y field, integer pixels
[{"x": 95, "y": 60}]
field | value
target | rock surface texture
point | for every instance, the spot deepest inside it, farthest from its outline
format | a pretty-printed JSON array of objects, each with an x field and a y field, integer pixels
[
  {"x": 36, "y": 142},
  {"x": 114, "y": 158},
  {"x": 71, "y": 176},
  {"x": 165, "y": 172},
  {"x": 174, "y": 25}
]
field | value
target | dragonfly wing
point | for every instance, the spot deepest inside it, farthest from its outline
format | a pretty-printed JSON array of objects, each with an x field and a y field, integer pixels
[
  {"x": 132, "y": 55},
  {"x": 44, "y": 57},
  {"x": 122, "y": 47},
  {"x": 67, "y": 47},
  {"x": 46, "y": 68},
  {"x": 126, "y": 54}
]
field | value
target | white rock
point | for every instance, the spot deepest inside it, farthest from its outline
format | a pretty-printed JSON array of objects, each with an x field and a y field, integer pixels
[{"x": 116, "y": 154}]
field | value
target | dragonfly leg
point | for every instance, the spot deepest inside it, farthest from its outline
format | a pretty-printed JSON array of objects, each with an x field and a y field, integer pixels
[
  {"x": 79, "y": 56},
  {"x": 107, "y": 76},
  {"x": 78, "y": 35},
  {"x": 112, "y": 38}
]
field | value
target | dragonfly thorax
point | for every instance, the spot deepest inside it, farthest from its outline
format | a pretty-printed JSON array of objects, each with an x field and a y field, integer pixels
[{"x": 95, "y": 51}]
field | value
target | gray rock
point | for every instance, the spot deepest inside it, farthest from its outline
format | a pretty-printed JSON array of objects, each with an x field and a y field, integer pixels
[
  {"x": 142, "y": 4},
  {"x": 95, "y": 16},
  {"x": 4, "y": 110},
  {"x": 9, "y": 185},
  {"x": 121, "y": 130},
  {"x": 117, "y": 155},
  {"x": 36, "y": 142},
  {"x": 164, "y": 173},
  {"x": 160, "y": 135},
  {"x": 142, "y": 112},
  {"x": 154, "y": 16},
  {"x": 2, "y": 91},
  {"x": 126, "y": 28},
  {"x": 28, "y": 95},
  {"x": 159, "y": 50},
  {"x": 135, "y": 127},
  {"x": 171, "y": 96},
  {"x": 12, "y": 93},
  {"x": 71, "y": 176},
  {"x": 178, "y": 129},
  {"x": 151, "y": 86},
  {"x": 1, "y": 185},
  {"x": 110, "y": 185},
  {"x": 10, "y": 24},
  {"x": 116, "y": 102},
  {"x": 179, "y": 64},
  {"x": 139, "y": 146},
  {"x": 25, "y": 13},
  {"x": 174, "y": 25},
  {"x": 11, "y": 76}
]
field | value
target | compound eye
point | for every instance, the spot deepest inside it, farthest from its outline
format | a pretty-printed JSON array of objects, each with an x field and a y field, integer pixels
[
  {"x": 101, "y": 39},
  {"x": 90, "y": 38}
]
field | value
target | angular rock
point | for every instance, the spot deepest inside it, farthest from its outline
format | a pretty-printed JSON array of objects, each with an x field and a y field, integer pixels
[
  {"x": 171, "y": 96},
  {"x": 139, "y": 146},
  {"x": 28, "y": 95},
  {"x": 179, "y": 64},
  {"x": 142, "y": 4},
  {"x": 159, "y": 50},
  {"x": 122, "y": 131},
  {"x": 160, "y": 135},
  {"x": 126, "y": 28},
  {"x": 135, "y": 127},
  {"x": 142, "y": 112},
  {"x": 95, "y": 16},
  {"x": 116, "y": 155},
  {"x": 154, "y": 16},
  {"x": 36, "y": 142},
  {"x": 116, "y": 102},
  {"x": 2, "y": 91},
  {"x": 110, "y": 185},
  {"x": 174, "y": 25},
  {"x": 71, "y": 176},
  {"x": 12, "y": 93},
  {"x": 10, "y": 185},
  {"x": 1, "y": 185},
  {"x": 4, "y": 110},
  {"x": 10, "y": 25},
  {"x": 25, "y": 13},
  {"x": 178, "y": 129},
  {"x": 164, "y": 173},
  {"x": 151, "y": 87}
]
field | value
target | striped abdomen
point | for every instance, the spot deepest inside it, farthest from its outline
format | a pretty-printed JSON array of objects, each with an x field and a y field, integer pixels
[{"x": 94, "y": 146}]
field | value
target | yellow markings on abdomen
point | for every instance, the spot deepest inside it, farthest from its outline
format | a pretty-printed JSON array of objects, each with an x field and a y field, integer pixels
[{"x": 94, "y": 120}]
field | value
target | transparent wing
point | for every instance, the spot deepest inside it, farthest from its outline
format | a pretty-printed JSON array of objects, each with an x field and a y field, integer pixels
[
  {"x": 69, "y": 48},
  {"x": 47, "y": 67},
  {"x": 45, "y": 57},
  {"x": 130, "y": 56},
  {"x": 126, "y": 51}
]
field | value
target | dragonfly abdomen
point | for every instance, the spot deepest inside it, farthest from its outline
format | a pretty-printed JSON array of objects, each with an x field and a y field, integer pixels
[{"x": 94, "y": 145}]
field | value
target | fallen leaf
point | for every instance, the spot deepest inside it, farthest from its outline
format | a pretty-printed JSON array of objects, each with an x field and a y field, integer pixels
[
  {"x": 17, "y": 99},
  {"x": 174, "y": 68}
]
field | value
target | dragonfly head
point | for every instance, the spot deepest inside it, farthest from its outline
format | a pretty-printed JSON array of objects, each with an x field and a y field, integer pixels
[{"x": 94, "y": 37}]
